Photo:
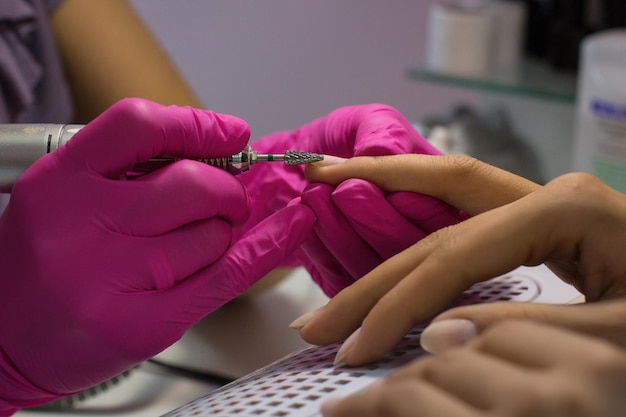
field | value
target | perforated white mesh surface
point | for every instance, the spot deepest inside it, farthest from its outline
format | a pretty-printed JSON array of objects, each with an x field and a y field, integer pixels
[{"x": 297, "y": 384}]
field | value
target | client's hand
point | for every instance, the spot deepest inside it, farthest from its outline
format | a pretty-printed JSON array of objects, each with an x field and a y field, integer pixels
[
  {"x": 100, "y": 272},
  {"x": 347, "y": 243},
  {"x": 575, "y": 223},
  {"x": 513, "y": 369}
]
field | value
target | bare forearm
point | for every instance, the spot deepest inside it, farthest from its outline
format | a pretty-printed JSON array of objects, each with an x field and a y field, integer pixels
[{"x": 110, "y": 54}]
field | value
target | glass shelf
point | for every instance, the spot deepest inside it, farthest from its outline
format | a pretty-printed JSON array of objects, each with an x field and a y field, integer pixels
[{"x": 530, "y": 79}]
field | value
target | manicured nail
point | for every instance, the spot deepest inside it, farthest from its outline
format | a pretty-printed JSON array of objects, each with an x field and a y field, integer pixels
[
  {"x": 304, "y": 319},
  {"x": 345, "y": 348},
  {"x": 443, "y": 335},
  {"x": 329, "y": 405},
  {"x": 329, "y": 160}
]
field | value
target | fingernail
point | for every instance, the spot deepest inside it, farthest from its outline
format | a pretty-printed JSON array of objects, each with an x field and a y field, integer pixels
[
  {"x": 329, "y": 405},
  {"x": 304, "y": 319},
  {"x": 329, "y": 160},
  {"x": 345, "y": 348},
  {"x": 443, "y": 335}
]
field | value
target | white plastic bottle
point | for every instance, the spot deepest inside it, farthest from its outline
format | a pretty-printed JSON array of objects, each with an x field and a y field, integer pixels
[
  {"x": 509, "y": 21},
  {"x": 600, "y": 135},
  {"x": 459, "y": 38}
]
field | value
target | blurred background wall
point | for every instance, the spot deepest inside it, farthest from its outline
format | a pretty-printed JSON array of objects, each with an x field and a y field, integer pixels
[{"x": 281, "y": 63}]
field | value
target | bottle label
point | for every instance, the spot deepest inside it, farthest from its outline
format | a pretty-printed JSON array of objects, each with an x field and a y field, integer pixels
[
  {"x": 609, "y": 161},
  {"x": 608, "y": 110}
]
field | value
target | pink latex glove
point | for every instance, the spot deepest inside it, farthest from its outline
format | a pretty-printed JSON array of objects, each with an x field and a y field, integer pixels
[
  {"x": 358, "y": 225},
  {"x": 100, "y": 272}
]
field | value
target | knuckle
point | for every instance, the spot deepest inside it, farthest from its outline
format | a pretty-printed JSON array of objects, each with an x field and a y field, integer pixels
[
  {"x": 189, "y": 170},
  {"x": 585, "y": 195},
  {"x": 133, "y": 111},
  {"x": 234, "y": 273},
  {"x": 443, "y": 238},
  {"x": 577, "y": 180},
  {"x": 576, "y": 187},
  {"x": 136, "y": 117},
  {"x": 459, "y": 168},
  {"x": 374, "y": 107},
  {"x": 462, "y": 166},
  {"x": 496, "y": 331},
  {"x": 432, "y": 368},
  {"x": 417, "y": 367}
]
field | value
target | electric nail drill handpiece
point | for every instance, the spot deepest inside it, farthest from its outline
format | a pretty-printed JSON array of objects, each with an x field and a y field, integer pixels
[{"x": 22, "y": 144}]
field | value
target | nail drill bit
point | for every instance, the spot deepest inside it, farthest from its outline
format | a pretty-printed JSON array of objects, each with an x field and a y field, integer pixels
[
  {"x": 291, "y": 157},
  {"x": 242, "y": 161}
]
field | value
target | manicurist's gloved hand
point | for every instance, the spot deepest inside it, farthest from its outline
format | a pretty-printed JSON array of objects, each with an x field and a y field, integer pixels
[
  {"x": 348, "y": 241},
  {"x": 100, "y": 272}
]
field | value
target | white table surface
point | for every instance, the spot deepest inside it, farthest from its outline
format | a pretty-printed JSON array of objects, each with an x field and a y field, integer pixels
[{"x": 239, "y": 338}]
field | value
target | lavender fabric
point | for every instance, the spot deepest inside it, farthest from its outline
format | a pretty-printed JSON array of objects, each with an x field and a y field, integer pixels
[{"x": 33, "y": 88}]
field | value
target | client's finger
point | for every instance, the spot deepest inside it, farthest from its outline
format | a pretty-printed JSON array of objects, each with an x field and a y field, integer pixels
[
  {"x": 461, "y": 181},
  {"x": 604, "y": 319}
]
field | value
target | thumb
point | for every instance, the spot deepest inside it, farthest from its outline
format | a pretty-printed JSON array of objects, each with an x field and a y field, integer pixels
[{"x": 455, "y": 327}]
